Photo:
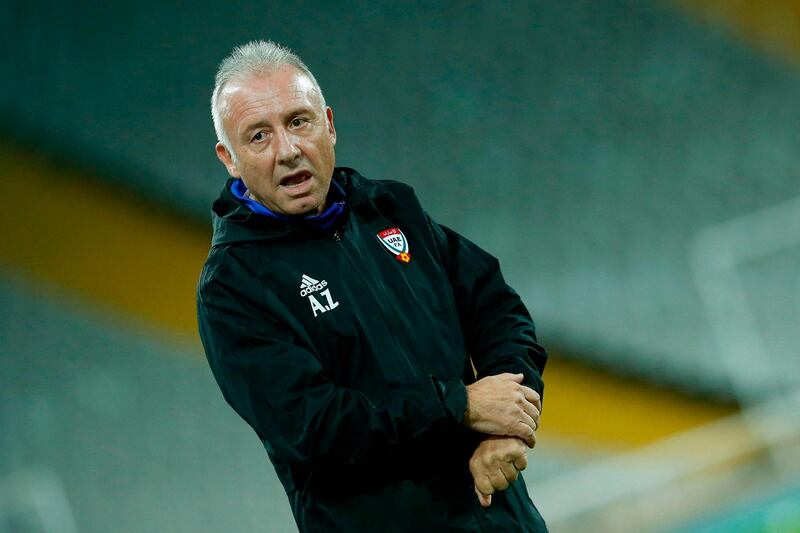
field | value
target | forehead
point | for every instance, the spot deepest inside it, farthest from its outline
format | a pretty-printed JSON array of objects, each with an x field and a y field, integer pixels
[{"x": 272, "y": 92}]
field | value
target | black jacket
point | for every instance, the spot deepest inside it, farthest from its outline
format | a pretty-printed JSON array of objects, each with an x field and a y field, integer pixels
[{"x": 351, "y": 365}]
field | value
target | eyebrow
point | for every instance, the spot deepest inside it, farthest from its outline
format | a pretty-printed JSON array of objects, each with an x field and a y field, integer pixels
[{"x": 293, "y": 111}]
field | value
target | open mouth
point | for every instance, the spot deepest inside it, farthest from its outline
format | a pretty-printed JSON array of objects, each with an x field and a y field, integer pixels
[{"x": 293, "y": 180}]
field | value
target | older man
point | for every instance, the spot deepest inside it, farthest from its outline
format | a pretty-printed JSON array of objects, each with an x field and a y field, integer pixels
[{"x": 347, "y": 327}]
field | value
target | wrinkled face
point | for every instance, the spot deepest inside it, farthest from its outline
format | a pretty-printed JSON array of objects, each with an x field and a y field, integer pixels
[{"x": 282, "y": 138}]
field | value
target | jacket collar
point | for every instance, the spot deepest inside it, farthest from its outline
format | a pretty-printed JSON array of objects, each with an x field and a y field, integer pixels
[{"x": 233, "y": 221}]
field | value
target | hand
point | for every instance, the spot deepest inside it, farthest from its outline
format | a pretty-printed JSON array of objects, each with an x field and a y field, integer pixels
[
  {"x": 495, "y": 464},
  {"x": 500, "y": 405}
]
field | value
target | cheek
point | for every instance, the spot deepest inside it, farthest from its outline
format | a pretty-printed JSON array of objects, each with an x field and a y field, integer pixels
[
  {"x": 327, "y": 155},
  {"x": 258, "y": 168}
]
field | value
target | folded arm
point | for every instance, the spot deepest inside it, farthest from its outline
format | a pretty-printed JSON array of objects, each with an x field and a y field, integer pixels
[{"x": 501, "y": 339}]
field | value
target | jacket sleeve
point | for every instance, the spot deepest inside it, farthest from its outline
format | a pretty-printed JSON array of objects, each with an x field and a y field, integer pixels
[
  {"x": 498, "y": 330},
  {"x": 269, "y": 374}
]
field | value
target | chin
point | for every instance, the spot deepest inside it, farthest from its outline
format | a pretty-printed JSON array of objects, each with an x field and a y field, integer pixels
[{"x": 310, "y": 208}]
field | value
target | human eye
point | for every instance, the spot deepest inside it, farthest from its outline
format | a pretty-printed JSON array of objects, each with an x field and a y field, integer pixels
[
  {"x": 259, "y": 137},
  {"x": 298, "y": 122}
]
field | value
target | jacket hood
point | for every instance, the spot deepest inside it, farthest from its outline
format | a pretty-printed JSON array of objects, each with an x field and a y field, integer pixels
[{"x": 234, "y": 222}]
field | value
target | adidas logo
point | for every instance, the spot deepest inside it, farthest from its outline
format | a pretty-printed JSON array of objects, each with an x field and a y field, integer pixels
[{"x": 309, "y": 285}]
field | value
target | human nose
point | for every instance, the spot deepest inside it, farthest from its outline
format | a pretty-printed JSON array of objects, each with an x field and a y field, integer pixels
[{"x": 287, "y": 150}]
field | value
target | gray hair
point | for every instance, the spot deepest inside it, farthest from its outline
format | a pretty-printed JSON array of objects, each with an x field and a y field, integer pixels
[{"x": 255, "y": 57}]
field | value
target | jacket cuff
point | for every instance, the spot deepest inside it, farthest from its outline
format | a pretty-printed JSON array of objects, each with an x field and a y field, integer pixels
[{"x": 453, "y": 396}]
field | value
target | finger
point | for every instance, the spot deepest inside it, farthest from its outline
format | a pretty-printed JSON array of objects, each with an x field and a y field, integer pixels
[
  {"x": 510, "y": 449},
  {"x": 483, "y": 484},
  {"x": 532, "y": 396},
  {"x": 484, "y": 499},
  {"x": 521, "y": 462},
  {"x": 474, "y": 466},
  {"x": 509, "y": 471},
  {"x": 525, "y": 418},
  {"x": 499, "y": 481},
  {"x": 525, "y": 432},
  {"x": 532, "y": 411}
]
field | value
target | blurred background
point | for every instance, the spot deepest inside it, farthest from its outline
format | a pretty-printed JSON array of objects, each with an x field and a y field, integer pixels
[{"x": 633, "y": 164}]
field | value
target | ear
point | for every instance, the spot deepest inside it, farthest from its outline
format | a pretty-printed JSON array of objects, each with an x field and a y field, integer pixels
[
  {"x": 331, "y": 129},
  {"x": 226, "y": 159}
]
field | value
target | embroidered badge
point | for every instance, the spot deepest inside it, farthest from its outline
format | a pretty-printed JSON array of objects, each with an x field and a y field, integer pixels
[
  {"x": 308, "y": 286},
  {"x": 393, "y": 240}
]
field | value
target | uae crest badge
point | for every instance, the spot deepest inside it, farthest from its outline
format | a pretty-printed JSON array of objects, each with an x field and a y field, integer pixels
[{"x": 393, "y": 240}]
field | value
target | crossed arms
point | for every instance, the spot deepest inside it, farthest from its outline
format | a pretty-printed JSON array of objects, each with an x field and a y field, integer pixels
[
  {"x": 506, "y": 402},
  {"x": 305, "y": 419},
  {"x": 270, "y": 376},
  {"x": 508, "y": 412}
]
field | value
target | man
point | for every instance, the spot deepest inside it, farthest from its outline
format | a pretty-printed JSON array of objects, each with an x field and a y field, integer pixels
[{"x": 342, "y": 324}]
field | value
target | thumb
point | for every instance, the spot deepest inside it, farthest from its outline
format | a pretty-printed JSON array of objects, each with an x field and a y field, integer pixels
[
  {"x": 512, "y": 377},
  {"x": 484, "y": 499}
]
